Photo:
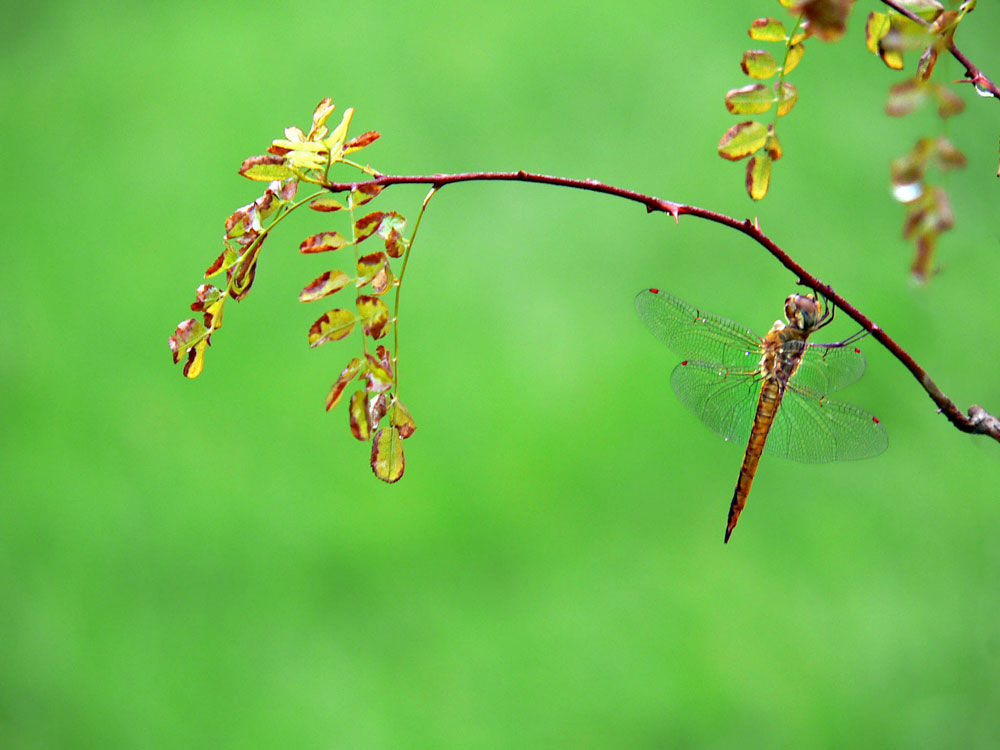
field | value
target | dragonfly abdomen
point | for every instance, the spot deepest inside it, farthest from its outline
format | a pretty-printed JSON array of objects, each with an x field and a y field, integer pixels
[{"x": 767, "y": 407}]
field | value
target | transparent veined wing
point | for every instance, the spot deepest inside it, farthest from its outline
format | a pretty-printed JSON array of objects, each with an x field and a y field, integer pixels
[
  {"x": 724, "y": 398},
  {"x": 695, "y": 334},
  {"x": 826, "y": 369},
  {"x": 808, "y": 426},
  {"x": 812, "y": 428}
]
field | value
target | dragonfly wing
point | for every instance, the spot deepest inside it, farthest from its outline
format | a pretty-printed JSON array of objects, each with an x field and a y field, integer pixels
[
  {"x": 815, "y": 429},
  {"x": 725, "y": 399},
  {"x": 695, "y": 334},
  {"x": 826, "y": 369}
]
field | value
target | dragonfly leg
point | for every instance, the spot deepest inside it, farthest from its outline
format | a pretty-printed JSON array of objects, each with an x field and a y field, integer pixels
[{"x": 852, "y": 339}]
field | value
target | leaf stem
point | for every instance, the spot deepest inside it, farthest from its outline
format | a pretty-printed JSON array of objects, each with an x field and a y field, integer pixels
[
  {"x": 781, "y": 75},
  {"x": 978, "y": 420},
  {"x": 399, "y": 285}
]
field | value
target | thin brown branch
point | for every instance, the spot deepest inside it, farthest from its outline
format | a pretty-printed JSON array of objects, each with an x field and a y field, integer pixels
[
  {"x": 978, "y": 420},
  {"x": 974, "y": 75}
]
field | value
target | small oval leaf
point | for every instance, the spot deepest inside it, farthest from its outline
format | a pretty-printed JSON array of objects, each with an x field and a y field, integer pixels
[
  {"x": 378, "y": 374},
  {"x": 323, "y": 242},
  {"x": 326, "y": 205},
  {"x": 369, "y": 266},
  {"x": 794, "y": 56},
  {"x": 402, "y": 420},
  {"x": 773, "y": 146},
  {"x": 346, "y": 376},
  {"x": 750, "y": 100},
  {"x": 360, "y": 427},
  {"x": 364, "y": 193},
  {"x": 265, "y": 168},
  {"x": 758, "y": 175},
  {"x": 876, "y": 27},
  {"x": 742, "y": 139},
  {"x": 787, "y": 96},
  {"x": 332, "y": 326},
  {"x": 374, "y": 316},
  {"x": 387, "y": 455},
  {"x": 367, "y": 225},
  {"x": 767, "y": 30},
  {"x": 759, "y": 63},
  {"x": 360, "y": 141},
  {"x": 324, "y": 285}
]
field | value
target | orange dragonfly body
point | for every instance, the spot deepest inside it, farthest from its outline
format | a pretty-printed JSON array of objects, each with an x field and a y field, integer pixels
[{"x": 770, "y": 392}]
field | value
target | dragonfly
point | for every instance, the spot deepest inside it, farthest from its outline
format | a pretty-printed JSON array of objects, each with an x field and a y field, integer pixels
[{"x": 770, "y": 393}]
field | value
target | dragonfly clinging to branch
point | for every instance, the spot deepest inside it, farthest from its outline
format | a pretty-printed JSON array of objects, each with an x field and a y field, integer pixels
[{"x": 770, "y": 392}]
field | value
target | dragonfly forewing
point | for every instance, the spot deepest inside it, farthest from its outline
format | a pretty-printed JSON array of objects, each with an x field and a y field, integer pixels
[{"x": 695, "y": 334}]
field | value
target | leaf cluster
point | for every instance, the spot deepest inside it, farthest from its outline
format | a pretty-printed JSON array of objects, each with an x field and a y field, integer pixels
[
  {"x": 891, "y": 35},
  {"x": 753, "y": 138},
  {"x": 375, "y": 412}
]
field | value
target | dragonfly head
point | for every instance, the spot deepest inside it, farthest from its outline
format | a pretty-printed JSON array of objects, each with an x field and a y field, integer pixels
[{"x": 803, "y": 312}]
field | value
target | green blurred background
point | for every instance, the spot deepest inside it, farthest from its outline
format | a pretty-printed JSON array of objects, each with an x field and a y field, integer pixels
[{"x": 211, "y": 563}]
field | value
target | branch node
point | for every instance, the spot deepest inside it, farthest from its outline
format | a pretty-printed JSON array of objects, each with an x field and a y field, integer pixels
[{"x": 982, "y": 421}]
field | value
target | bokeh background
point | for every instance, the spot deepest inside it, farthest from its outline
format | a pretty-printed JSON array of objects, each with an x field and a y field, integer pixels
[{"x": 211, "y": 563}]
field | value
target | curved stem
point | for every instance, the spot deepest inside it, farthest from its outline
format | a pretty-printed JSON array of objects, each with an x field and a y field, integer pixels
[
  {"x": 399, "y": 285},
  {"x": 978, "y": 420}
]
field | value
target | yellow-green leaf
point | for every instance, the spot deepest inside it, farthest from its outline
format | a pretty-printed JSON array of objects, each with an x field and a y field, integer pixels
[
  {"x": 332, "y": 326},
  {"x": 346, "y": 376},
  {"x": 378, "y": 374},
  {"x": 793, "y": 57},
  {"x": 759, "y": 63},
  {"x": 876, "y": 27},
  {"x": 402, "y": 420},
  {"x": 750, "y": 100},
  {"x": 324, "y": 285},
  {"x": 367, "y": 225},
  {"x": 364, "y": 193},
  {"x": 320, "y": 115},
  {"x": 190, "y": 338},
  {"x": 336, "y": 139},
  {"x": 369, "y": 266},
  {"x": 758, "y": 175},
  {"x": 226, "y": 260},
  {"x": 742, "y": 139},
  {"x": 322, "y": 242},
  {"x": 306, "y": 160},
  {"x": 265, "y": 168},
  {"x": 773, "y": 146},
  {"x": 800, "y": 34},
  {"x": 767, "y": 30},
  {"x": 787, "y": 96},
  {"x": 360, "y": 426},
  {"x": 893, "y": 58},
  {"x": 387, "y": 455},
  {"x": 374, "y": 315}
]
